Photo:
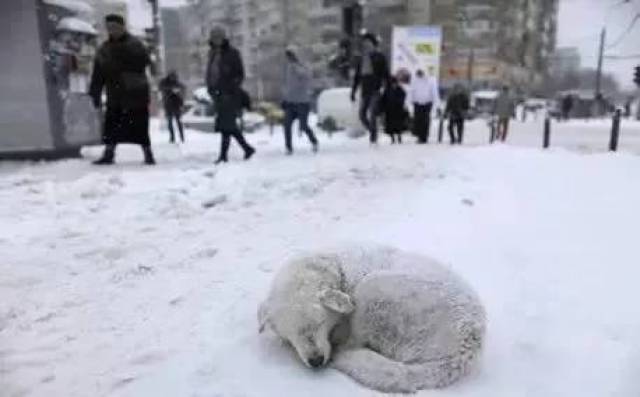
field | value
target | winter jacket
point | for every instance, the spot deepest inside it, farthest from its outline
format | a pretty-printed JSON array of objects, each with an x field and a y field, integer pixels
[
  {"x": 371, "y": 83},
  {"x": 505, "y": 106},
  {"x": 172, "y": 93},
  {"x": 120, "y": 67},
  {"x": 424, "y": 90},
  {"x": 230, "y": 72},
  {"x": 393, "y": 107},
  {"x": 225, "y": 89},
  {"x": 457, "y": 105},
  {"x": 297, "y": 83}
]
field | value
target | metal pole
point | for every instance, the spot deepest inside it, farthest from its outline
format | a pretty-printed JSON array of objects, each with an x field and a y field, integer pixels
[
  {"x": 547, "y": 132},
  {"x": 492, "y": 126},
  {"x": 603, "y": 36},
  {"x": 615, "y": 131}
]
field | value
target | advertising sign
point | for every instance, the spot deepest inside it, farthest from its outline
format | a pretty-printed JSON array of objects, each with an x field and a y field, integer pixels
[{"x": 416, "y": 47}]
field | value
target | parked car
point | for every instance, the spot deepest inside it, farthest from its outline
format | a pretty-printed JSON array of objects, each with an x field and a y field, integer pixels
[
  {"x": 200, "y": 116},
  {"x": 482, "y": 103},
  {"x": 335, "y": 104}
]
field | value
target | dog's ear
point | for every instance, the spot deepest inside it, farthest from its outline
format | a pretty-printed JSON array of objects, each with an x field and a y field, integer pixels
[
  {"x": 337, "y": 301},
  {"x": 263, "y": 317}
]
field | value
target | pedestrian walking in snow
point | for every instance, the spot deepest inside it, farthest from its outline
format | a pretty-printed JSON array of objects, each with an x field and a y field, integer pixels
[
  {"x": 120, "y": 68},
  {"x": 567, "y": 105},
  {"x": 173, "y": 99},
  {"x": 372, "y": 74},
  {"x": 225, "y": 74},
  {"x": 456, "y": 111},
  {"x": 394, "y": 110},
  {"x": 297, "y": 98},
  {"x": 504, "y": 109},
  {"x": 424, "y": 95}
]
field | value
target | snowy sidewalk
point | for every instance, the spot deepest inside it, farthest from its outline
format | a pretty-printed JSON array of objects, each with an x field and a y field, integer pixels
[{"x": 120, "y": 282}]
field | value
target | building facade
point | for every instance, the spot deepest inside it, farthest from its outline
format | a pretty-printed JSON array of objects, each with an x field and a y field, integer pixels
[
  {"x": 565, "y": 60},
  {"x": 488, "y": 43},
  {"x": 485, "y": 42}
]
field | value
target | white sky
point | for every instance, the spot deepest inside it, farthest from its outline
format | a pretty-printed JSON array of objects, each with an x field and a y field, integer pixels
[{"x": 579, "y": 23}]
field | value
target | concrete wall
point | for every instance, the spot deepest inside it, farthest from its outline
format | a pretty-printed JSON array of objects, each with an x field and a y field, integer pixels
[{"x": 24, "y": 112}]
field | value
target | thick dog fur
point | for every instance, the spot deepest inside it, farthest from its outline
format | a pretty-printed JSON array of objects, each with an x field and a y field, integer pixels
[{"x": 393, "y": 321}]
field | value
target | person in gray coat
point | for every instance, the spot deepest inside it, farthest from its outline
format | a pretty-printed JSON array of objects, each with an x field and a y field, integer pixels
[
  {"x": 504, "y": 109},
  {"x": 296, "y": 98}
]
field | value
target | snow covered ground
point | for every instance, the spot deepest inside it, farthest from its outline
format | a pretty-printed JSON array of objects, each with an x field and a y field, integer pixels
[{"x": 138, "y": 281}]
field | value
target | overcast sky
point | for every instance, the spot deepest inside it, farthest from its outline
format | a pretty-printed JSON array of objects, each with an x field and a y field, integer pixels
[{"x": 580, "y": 23}]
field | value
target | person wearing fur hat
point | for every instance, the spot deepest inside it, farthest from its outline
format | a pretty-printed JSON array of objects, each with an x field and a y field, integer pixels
[
  {"x": 297, "y": 98},
  {"x": 119, "y": 67}
]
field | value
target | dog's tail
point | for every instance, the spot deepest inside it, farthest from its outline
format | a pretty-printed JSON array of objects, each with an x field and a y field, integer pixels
[{"x": 378, "y": 372}]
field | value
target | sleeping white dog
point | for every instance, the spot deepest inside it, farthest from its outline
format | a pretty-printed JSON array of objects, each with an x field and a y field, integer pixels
[{"x": 393, "y": 321}]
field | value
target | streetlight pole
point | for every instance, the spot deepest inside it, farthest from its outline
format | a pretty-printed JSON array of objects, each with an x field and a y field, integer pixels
[{"x": 603, "y": 37}]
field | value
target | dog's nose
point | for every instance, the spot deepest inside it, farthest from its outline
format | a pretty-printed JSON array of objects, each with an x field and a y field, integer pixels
[{"x": 316, "y": 361}]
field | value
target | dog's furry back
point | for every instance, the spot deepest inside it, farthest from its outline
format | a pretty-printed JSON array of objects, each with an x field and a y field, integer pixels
[{"x": 400, "y": 342}]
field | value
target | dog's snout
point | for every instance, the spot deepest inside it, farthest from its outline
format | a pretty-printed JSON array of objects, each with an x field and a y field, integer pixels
[{"x": 316, "y": 361}]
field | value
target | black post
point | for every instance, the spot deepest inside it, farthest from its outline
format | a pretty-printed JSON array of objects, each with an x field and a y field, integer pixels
[
  {"x": 547, "y": 132},
  {"x": 615, "y": 131},
  {"x": 440, "y": 129},
  {"x": 492, "y": 125}
]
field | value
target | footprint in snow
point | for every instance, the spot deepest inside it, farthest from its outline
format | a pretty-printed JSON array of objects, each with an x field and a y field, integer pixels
[{"x": 215, "y": 201}]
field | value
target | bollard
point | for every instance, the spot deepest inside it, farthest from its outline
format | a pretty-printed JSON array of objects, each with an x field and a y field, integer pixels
[
  {"x": 440, "y": 129},
  {"x": 492, "y": 126},
  {"x": 615, "y": 131},
  {"x": 547, "y": 132}
]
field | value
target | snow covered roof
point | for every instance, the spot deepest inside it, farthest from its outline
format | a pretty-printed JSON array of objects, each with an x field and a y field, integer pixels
[
  {"x": 76, "y": 25},
  {"x": 74, "y": 5}
]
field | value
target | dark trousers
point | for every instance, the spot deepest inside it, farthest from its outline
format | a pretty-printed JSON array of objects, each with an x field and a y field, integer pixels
[
  {"x": 299, "y": 111},
  {"x": 171, "y": 115},
  {"x": 226, "y": 142},
  {"x": 456, "y": 130},
  {"x": 422, "y": 121},
  {"x": 503, "y": 128},
  {"x": 369, "y": 111}
]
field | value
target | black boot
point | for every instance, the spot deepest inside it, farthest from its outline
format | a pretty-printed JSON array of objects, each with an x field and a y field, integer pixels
[
  {"x": 107, "y": 157},
  {"x": 249, "y": 152},
  {"x": 148, "y": 155}
]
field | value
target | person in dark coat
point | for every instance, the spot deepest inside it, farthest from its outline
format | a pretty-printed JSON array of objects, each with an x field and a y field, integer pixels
[
  {"x": 371, "y": 76},
  {"x": 456, "y": 110},
  {"x": 394, "y": 110},
  {"x": 225, "y": 74},
  {"x": 173, "y": 99},
  {"x": 567, "y": 106},
  {"x": 119, "y": 67}
]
